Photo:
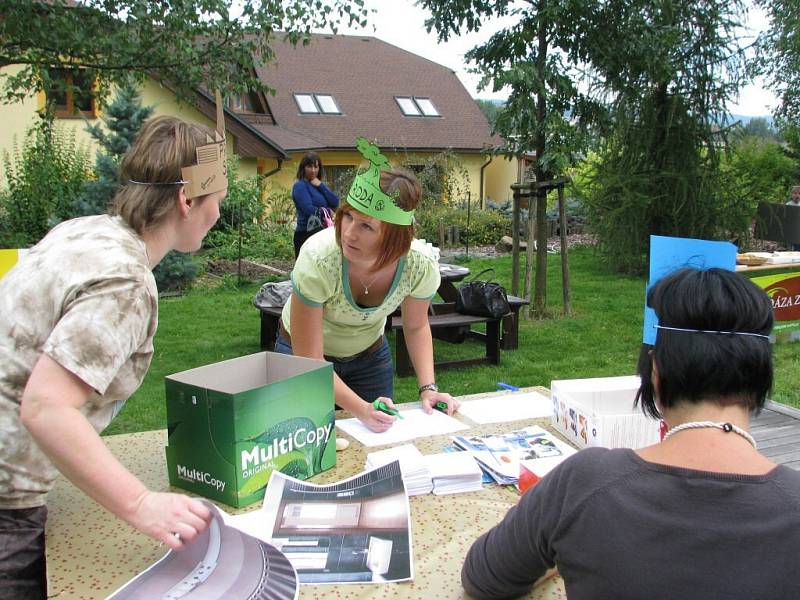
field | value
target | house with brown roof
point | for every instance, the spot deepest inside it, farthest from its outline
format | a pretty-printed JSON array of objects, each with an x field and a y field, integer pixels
[
  {"x": 339, "y": 87},
  {"x": 327, "y": 93}
]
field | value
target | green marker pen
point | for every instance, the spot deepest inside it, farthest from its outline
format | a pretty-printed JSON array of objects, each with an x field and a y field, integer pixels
[{"x": 385, "y": 408}]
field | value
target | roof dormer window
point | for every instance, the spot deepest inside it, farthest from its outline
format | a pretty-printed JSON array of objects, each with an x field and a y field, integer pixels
[
  {"x": 412, "y": 106},
  {"x": 317, "y": 103},
  {"x": 246, "y": 102}
]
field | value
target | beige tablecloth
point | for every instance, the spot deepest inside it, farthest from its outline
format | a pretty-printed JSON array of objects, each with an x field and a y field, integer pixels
[{"x": 90, "y": 553}]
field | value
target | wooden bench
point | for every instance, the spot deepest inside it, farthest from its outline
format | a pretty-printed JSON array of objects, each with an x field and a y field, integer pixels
[
  {"x": 510, "y": 339},
  {"x": 509, "y": 334},
  {"x": 445, "y": 319}
]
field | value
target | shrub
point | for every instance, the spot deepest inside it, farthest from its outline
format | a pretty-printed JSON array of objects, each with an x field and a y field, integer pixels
[
  {"x": 175, "y": 271},
  {"x": 242, "y": 204},
  {"x": 250, "y": 228},
  {"x": 44, "y": 177},
  {"x": 279, "y": 206},
  {"x": 485, "y": 227},
  {"x": 443, "y": 178}
]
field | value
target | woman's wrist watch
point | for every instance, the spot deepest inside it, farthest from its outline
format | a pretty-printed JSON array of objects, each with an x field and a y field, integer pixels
[{"x": 428, "y": 387}]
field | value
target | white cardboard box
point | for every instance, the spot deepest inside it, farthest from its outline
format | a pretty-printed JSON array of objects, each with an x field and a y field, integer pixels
[{"x": 600, "y": 412}]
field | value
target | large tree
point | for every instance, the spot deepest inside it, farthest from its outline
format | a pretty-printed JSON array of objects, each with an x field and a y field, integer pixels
[
  {"x": 192, "y": 43},
  {"x": 675, "y": 68},
  {"x": 779, "y": 56},
  {"x": 650, "y": 77},
  {"x": 540, "y": 58}
]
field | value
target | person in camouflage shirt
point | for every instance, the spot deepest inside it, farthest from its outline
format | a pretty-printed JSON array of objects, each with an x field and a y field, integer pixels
[{"x": 77, "y": 320}]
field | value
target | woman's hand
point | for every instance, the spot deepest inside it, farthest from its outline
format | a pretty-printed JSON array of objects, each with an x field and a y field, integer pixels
[
  {"x": 315, "y": 182},
  {"x": 374, "y": 419},
  {"x": 173, "y": 519},
  {"x": 429, "y": 398}
]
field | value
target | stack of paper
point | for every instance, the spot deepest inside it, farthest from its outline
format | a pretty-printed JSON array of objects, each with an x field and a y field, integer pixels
[
  {"x": 454, "y": 472},
  {"x": 416, "y": 475},
  {"x": 500, "y": 455}
]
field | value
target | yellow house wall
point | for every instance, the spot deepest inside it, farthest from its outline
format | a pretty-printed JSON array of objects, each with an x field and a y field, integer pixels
[
  {"x": 18, "y": 117},
  {"x": 164, "y": 103},
  {"x": 285, "y": 178},
  {"x": 500, "y": 174}
]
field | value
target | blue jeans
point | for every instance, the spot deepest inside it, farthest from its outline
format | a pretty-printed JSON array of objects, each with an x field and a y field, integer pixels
[{"x": 368, "y": 375}]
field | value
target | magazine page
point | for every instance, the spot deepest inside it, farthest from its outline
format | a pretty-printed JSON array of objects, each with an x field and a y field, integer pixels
[
  {"x": 223, "y": 562},
  {"x": 500, "y": 454},
  {"x": 354, "y": 531}
]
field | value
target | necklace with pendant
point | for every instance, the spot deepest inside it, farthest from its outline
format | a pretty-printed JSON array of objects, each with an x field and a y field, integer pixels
[
  {"x": 726, "y": 427},
  {"x": 366, "y": 286}
]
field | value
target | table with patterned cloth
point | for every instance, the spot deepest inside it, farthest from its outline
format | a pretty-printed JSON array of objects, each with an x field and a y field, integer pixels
[{"x": 90, "y": 553}]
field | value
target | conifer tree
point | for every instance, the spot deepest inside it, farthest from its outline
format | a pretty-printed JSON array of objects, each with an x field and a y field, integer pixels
[{"x": 122, "y": 119}]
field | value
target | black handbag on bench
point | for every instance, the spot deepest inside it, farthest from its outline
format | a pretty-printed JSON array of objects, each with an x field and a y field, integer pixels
[{"x": 482, "y": 298}]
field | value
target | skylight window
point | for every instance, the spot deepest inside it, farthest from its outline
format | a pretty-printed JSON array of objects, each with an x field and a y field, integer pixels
[
  {"x": 306, "y": 103},
  {"x": 427, "y": 107},
  {"x": 416, "y": 107},
  {"x": 327, "y": 104},
  {"x": 317, "y": 103},
  {"x": 408, "y": 107}
]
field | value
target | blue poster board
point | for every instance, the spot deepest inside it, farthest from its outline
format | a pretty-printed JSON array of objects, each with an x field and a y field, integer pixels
[{"x": 668, "y": 254}]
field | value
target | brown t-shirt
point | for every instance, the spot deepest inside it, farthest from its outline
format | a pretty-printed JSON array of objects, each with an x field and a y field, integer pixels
[
  {"x": 620, "y": 528},
  {"x": 86, "y": 297}
]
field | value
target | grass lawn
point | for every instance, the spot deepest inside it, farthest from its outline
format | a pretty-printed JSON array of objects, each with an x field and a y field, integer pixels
[{"x": 601, "y": 339}]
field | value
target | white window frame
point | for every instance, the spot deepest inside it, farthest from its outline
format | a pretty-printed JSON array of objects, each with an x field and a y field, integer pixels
[
  {"x": 301, "y": 101},
  {"x": 417, "y": 106},
  {"x": 407, "y": 106},
  {"x": 427, "y": 107},
  {"x": 334, "y": 106},
  {"x": 320, "y": 104}
]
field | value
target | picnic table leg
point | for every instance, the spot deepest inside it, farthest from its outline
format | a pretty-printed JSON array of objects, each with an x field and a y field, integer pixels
[
  {"x": 402, "y": 366},
  {"x": 510, "y": 339},
  {"x": 493, "y": 341}
]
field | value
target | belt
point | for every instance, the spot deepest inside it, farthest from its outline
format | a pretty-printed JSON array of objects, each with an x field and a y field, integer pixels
[{"x": 373, "y": 347}]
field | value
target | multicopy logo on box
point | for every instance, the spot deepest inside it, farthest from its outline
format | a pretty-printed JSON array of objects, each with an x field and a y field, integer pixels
[
  {"x": 188, "y": 474},
  {"x": 260, "y": 454}
]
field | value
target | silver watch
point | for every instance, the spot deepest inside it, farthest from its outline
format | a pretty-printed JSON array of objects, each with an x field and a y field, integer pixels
[{"x": 428, "y": 386}]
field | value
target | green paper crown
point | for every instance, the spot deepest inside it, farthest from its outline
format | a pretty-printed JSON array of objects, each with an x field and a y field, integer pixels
[{"x": 365, "y": 194}]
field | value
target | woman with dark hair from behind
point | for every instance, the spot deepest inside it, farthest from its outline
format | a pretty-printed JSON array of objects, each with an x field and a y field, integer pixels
[
  {"x": 310, "y": 196},
  {"x": 702, "y": 514}
]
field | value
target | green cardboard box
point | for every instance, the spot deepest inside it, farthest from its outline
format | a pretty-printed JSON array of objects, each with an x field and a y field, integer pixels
[{"x": 231, "y": 423}]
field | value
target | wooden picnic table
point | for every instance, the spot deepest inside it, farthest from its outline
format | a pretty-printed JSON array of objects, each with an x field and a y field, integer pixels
[{"x": 91, "y": 553}]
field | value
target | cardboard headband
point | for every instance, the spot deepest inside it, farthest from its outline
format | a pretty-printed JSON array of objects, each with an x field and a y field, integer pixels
[
  {"x": 210, "y": 174},
  {"x": 365, "y": 194}
]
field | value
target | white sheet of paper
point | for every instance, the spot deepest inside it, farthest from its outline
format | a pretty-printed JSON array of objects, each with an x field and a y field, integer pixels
[
  {"x": 414, "y": 424},
  {"x": 509, "y": 407}
]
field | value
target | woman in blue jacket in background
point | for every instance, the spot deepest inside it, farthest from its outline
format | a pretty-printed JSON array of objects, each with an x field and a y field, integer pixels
[{"x": 310, "y": 195}]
